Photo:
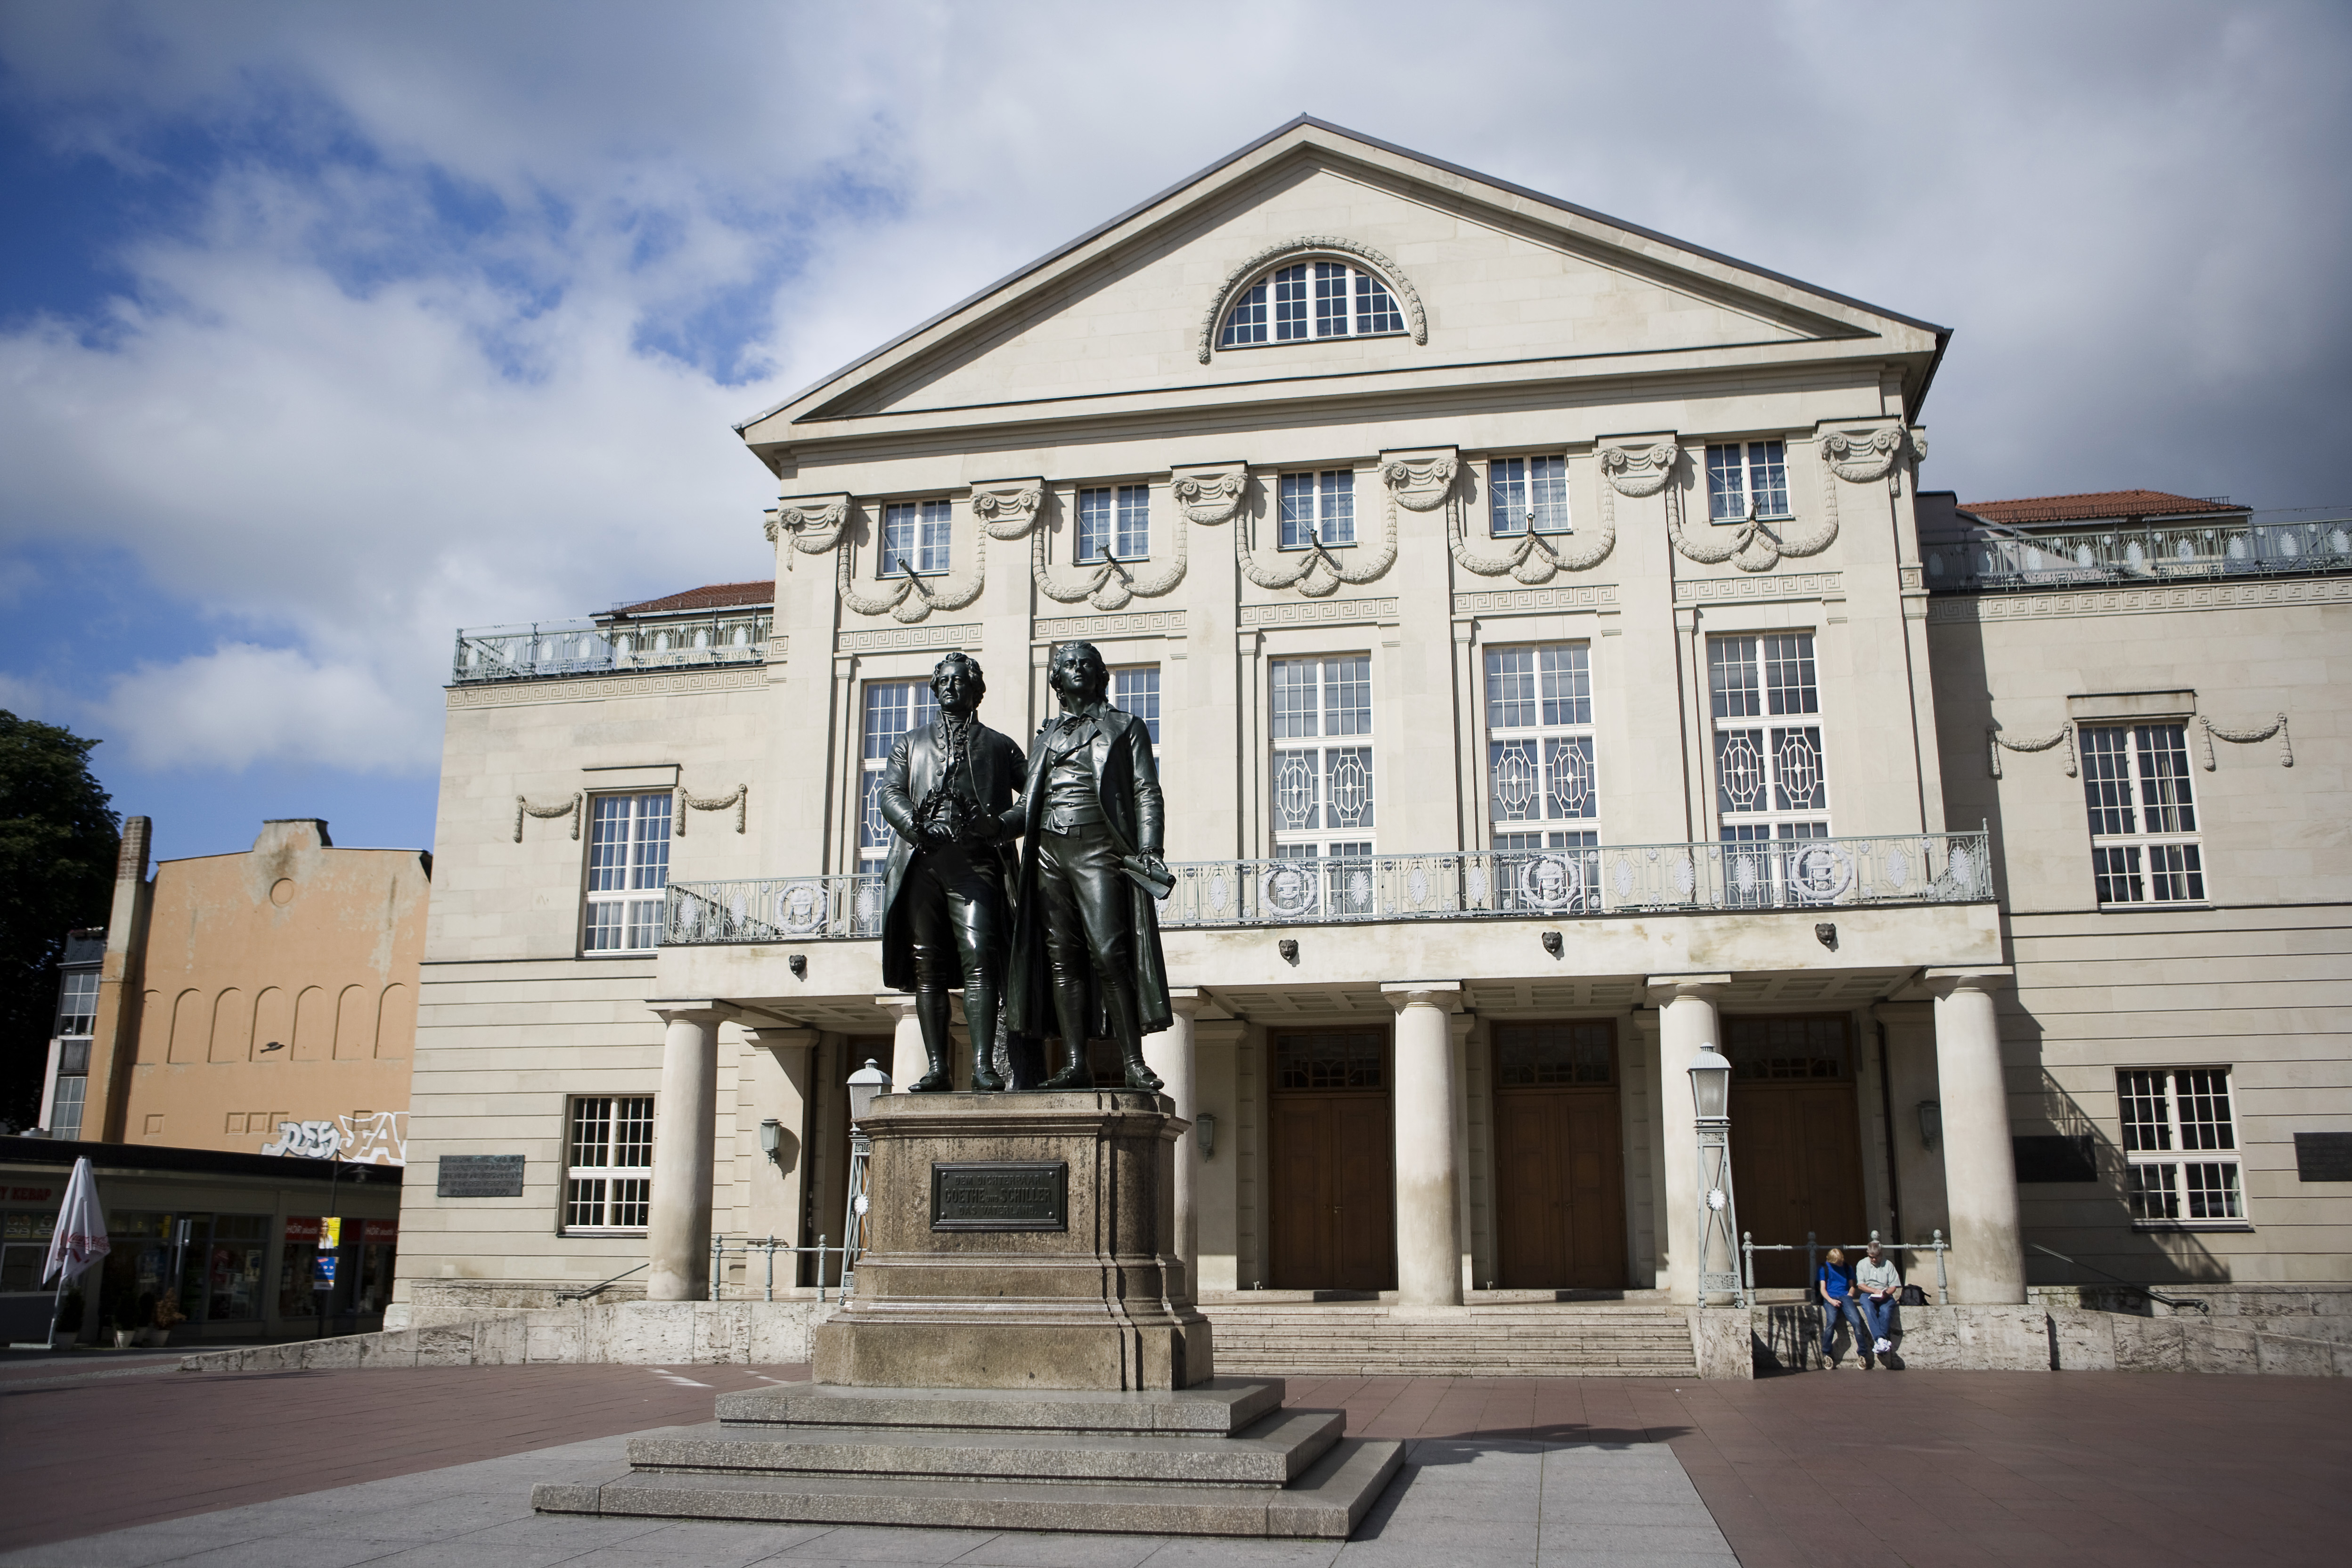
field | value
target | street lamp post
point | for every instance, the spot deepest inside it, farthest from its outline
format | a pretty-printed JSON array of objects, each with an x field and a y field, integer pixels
[
  {"x": 1710, "y": 1077},
  {"x": 864, "y": 1085}
]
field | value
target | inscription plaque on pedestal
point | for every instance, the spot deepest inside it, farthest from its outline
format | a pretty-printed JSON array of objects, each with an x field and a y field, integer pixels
[{"x": 1000, "y": 1194}]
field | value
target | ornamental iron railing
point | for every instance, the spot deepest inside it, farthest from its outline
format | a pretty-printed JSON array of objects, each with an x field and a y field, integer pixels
[
  {"x": 1487, "y": 884},
  {"x": 546, "y": 649},
  {"x": 2183, "y": 552}
]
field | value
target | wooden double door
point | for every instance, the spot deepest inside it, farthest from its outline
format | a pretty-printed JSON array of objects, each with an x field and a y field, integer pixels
[
  {"x": 1559, "y": 1185},
  {"x": 1332, "y": 1207},
  {"x": 1796, "y": 1144}
]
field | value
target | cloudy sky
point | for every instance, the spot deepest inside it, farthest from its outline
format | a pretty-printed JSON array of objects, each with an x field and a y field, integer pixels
[{"x": 325, "y": 330}]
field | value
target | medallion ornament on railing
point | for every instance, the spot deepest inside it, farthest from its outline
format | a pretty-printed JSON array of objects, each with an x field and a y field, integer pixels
[
  {"x": 1400, "y": 287},
  {"x": 523, "y": 808},
  {"x": 1007, "y": 508},
  {"x": 739, "y": 800},
  {"x": 2248, "y": 738},
  {"x": 1995, "y": 743},
  {"x": 813, "y": 524}
]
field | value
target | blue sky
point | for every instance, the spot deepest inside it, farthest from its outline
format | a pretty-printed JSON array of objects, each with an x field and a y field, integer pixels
[{"x": 327, "y": 330}]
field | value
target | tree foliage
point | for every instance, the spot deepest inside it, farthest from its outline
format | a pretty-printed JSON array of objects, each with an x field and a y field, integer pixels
[{"x": 58, "y": 835}]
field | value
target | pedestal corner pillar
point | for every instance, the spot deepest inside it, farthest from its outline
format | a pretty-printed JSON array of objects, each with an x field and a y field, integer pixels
[
  {"x": 1428, "y": 1175},
  {"x": 1686, "y": 1020},
  {"x": 1987, "y": 1263},
  {"x": 686, "y": 1131}
]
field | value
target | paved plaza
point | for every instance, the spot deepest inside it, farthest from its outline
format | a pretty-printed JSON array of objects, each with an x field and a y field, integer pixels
[{"x": 133, "y": 1465}]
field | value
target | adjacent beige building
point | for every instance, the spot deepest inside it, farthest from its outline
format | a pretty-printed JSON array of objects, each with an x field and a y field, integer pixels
[
  {"x": 1555, "y": 668},
  {"x": 262, "y": 1001}
]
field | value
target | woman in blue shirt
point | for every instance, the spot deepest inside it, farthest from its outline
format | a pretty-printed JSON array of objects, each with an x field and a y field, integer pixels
[{"x": 1835, "y": 1287}]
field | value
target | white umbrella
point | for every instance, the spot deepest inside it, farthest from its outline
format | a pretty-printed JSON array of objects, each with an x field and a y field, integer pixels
[{"x": 80, "y": 1236}]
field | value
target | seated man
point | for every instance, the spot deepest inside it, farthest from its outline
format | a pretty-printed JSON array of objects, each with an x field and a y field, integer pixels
[{"x": 1877, "y": 1284}]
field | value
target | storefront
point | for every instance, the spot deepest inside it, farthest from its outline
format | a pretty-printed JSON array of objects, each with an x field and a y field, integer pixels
[{"x": 207, "y": 1245}]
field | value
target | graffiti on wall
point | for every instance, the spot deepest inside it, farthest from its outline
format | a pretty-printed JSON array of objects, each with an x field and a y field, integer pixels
[{"x": 377, "y": 1138}]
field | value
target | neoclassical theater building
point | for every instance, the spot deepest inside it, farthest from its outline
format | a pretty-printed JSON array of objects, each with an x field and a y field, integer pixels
[{"x": 1554, "y": 667}]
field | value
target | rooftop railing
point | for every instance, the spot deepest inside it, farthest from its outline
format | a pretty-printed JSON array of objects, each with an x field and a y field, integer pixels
[
  {"x": 545, "y": 649},
  {"x": 1486, "y": 884},
  {"x": 2186, "y": 552}
]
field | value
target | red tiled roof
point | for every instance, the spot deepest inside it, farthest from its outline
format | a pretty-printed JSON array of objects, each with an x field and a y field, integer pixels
[
  {"x": 2096, "y": 504},
  {"x": 713, "y": 597}
]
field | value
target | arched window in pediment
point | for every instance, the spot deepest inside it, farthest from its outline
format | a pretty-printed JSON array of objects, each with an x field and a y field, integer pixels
[
  {"x": 1311, "y": 288},
  {"x": 1308, "y": 299}
]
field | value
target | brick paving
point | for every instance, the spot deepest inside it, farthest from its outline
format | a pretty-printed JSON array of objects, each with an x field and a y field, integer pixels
[
  {"x": 101, "y": 1453},
  {"x": 1990, "y": 1468},
  {"x": 1921, "y": 1469}
]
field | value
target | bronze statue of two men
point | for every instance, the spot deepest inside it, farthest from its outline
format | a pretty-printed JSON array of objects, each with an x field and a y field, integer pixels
[{"x": 1062, "y": 938}]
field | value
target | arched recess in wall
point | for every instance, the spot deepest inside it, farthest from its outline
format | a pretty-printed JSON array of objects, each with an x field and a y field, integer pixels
[
  {"x": 395, "y": 1022},
  {"x": 355, "y": 1024},
  {"x": 192, "y": 1027},
  {"x": 314, "y": 1025},
  {"x": 232, "y": 1040},
  {"x": 273, "y": 1024},
  {"x": 1313, "y": 287},
  {"x": 154, "y": 1027}
]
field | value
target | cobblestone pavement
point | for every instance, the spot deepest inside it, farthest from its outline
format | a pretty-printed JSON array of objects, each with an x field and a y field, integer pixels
[{"x": 432, "y": 1468}]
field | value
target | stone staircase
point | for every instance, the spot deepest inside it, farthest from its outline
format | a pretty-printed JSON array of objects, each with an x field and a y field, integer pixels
[{"x": 1373, "y": 1339}]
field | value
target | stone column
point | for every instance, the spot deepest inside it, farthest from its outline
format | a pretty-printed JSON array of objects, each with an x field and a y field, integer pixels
[
  {"x": 908, "y": 1061},
  {"x": 1988, "y": 1261},
  {"x": 1172, "y": 1055},
  {"x": 1428, "y": 1178},
  {"x": 778, "y": 1086},
  {"x": 678, "y": 1234},
  {"x": 1686, "y": 1021}
]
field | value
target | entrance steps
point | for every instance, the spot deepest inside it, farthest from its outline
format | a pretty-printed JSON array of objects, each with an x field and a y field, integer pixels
[{"x": 1504, "y": 1339}]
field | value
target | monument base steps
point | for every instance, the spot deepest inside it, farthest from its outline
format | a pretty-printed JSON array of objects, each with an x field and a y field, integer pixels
[{"x": 1223, "y": 1458}]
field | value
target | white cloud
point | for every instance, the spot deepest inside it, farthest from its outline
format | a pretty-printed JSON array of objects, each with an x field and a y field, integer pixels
[
  {"x": 241, "y": 705},
  {"x": 339, "y": 421}
]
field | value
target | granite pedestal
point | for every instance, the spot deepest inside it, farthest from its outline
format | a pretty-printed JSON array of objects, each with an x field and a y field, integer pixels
[{"x": 1021, "y": 1351}]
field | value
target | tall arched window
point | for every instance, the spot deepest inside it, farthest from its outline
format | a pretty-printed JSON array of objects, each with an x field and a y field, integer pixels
[{"x": 1312, "y": 299}]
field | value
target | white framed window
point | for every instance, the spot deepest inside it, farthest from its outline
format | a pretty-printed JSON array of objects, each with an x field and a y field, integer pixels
[
  {"x": 2144, "y": 844},
  {"x": 1318, "y": 508},
  {"x": 1135, "y": 689},
  {"x": 77, "y": 1019},
  {"x": 1309, "y": 300},
  {"x": 892, "y": 707},
  {"x": 1527, "y": 495},
  {"x": 628, "y": 868},
  {"x": 1768, "y": 776},
  {"x": 1117, "y": 521},
  {"x": 1322, "y": 756},
  {"x": 915, "y": 533},
  {"x": 1542, "y": 794},
  {"x": 2181, "y": 1147},
  {"x": 608, "y": 1164},
  {"x": 1745, "y": 474},
  {"x": 77, "y": 1004}
]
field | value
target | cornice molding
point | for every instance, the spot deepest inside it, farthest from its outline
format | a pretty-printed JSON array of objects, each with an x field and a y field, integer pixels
[
  {"x": 2030, "y": 605},
  {"x": 598, "y": 687}
]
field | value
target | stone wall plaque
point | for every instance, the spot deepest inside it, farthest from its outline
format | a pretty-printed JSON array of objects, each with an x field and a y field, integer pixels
[
  {"x": 1000, "y": 1194},
  {"x": 2055, "y": 1158},
  {"x": 2323, "y": 1156},
  {"x": 478, "y": 1176}
]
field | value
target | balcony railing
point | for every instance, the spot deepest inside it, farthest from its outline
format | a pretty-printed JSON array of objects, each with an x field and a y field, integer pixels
[
  {"x": 2190, "y": 551},
  {"x": 1486, "y": 884},
  {"x": 583, "y": 647}
]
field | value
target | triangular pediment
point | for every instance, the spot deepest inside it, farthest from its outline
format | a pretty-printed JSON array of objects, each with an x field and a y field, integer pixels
[{"x": 1483, "y": 275}]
